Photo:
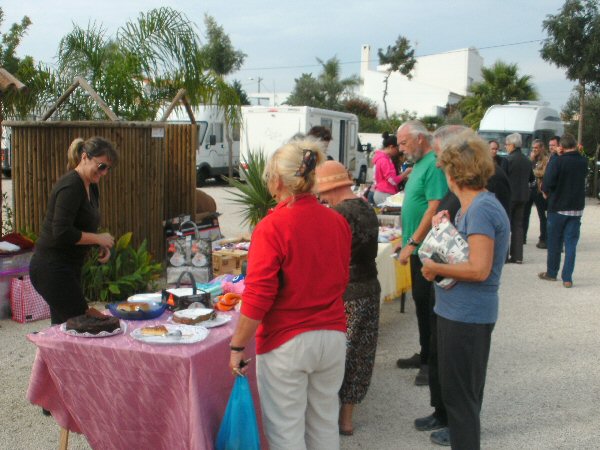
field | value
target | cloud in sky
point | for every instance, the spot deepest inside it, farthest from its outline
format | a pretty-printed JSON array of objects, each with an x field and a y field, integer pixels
[{"x": 283, "y": 39}]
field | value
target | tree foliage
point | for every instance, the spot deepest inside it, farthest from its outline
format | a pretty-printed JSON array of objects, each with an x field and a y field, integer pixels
[
  {"x": 21, "y": 105},
  {"x": 591, "y": 134},
  {"x": 572, "y": 43},
  {"x": 501, "y": 83},
  {"x": 218, "y": 53},
  {"x": 399, "y": 58},
  {"x": 363, "y": 108},
  {"x": 327, "y": 91}
]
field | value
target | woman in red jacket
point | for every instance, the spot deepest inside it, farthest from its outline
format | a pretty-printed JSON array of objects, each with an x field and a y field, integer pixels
[{"x": 298, "y": 269}]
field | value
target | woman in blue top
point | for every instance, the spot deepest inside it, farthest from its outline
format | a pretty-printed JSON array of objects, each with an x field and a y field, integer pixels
[{"x": 468, "y": 311}]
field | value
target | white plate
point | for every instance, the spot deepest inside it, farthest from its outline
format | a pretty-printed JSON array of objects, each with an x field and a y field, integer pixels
[
  {"x": 190, "y": 334},
  {"x": 122, "y": 329},
  {"x": 221, "y": 319},
  {"x": 145, "y": 298}
]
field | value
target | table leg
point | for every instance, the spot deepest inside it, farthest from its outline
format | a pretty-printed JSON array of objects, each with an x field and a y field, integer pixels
[
  {"x": 402, "y": 301},
  {"x": 64, "y": 439}
]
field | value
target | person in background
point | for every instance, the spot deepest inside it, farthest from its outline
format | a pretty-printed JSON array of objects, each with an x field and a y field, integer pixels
[
  {"x": 468, "y": 311},
  {"x": 70, "y": 229},
  {"x": 385, "y": 174},
  {"x": 499, "y": 160},
  {"x": 564, "y": 186},
  {"x": 554, "y": 146},
  {"x": 298, "y": 271},
  {"x": 519, "y": 175},
  {"x": 539, "y": 159},
  {"x": 425, "y": 188},
  {"x": 323, "y": 135},
  {"x": 361, "y": 299}
]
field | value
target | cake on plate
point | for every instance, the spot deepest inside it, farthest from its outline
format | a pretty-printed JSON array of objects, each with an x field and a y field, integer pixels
[
  {"x": 93, "y": 322},
  {"x": 157, "y": 330},
  {"x": 193, "y": 316}
]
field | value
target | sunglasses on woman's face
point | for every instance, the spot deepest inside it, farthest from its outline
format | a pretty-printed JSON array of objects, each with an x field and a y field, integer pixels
[{"x": 100, "y": 165}]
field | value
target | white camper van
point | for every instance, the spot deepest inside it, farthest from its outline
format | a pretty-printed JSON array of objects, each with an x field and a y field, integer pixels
[
  {"x": 266, "y": 128},
  {"x": 212, "y": 154},
  {"x": 533, "y": 120}
]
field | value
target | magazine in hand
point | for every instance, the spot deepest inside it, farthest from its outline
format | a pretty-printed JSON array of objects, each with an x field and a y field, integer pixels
[{"x": 444, "y": 244}]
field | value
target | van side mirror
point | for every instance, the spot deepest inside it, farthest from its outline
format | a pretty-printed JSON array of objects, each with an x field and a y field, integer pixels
[{"x": 212, "y": 140}]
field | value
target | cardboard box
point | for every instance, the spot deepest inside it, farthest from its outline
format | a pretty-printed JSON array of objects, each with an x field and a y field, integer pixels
[{"x": 228, "y": 261}]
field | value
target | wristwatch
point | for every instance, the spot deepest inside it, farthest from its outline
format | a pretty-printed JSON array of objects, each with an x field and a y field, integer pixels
[{"x": 411, "y": 241}]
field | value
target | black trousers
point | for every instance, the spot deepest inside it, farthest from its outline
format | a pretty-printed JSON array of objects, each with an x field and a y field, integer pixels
[
  {"x": 435, "y": 389},
  {"x": 516, "y": 230},
  {"x": 464, "y": 349},
  {"x": 421, "y": 292},
  {"x": 60, "y": 285},
  {"x": 541, "y": 205}
]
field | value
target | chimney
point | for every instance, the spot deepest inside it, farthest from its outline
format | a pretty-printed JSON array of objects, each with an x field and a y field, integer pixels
[{"x": 365, "y": 56}]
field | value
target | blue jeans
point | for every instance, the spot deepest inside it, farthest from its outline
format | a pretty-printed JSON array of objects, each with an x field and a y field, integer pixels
[{"x": 565, "y": 229}]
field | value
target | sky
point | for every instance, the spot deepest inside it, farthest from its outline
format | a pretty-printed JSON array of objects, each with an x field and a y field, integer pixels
[{"x": 282, "y": 39}]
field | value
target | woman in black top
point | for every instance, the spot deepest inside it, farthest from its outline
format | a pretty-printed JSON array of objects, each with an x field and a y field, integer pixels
[
  {"x": 70, "y": 229},
  {"x": 361, "y": 298}
]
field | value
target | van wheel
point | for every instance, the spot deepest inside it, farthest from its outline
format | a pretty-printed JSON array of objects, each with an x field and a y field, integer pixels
[
  {"x": 362, "y": 175},
  {"x": 201, "y": 176}
]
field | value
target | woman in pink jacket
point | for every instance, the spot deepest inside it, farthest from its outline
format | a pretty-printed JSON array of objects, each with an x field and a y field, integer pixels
[{"x": 386, "y": 176}]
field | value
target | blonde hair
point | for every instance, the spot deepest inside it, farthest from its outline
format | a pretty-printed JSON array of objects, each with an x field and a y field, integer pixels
[
  {"x": 94, "y": 146},
  {"x": 287, "y": 160},
  {"x": 466, "y": 159}
]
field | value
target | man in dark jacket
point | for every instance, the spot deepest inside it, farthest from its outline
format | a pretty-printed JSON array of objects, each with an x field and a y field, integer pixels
[
  {"x": 519, "y": 175},
  {"x": 564, "y": 186}
]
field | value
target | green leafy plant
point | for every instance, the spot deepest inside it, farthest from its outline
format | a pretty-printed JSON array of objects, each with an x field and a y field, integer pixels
[
  {"x": 7, "y": 215},
  {"x": 128, "y": 271},
  {"x": 253, "y": 195}
]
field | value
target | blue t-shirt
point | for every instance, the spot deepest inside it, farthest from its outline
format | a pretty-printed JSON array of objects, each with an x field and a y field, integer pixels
[{"x": 477, "y": 302}]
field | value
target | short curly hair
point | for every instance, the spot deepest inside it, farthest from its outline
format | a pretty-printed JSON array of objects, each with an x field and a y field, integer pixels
[{"x": 466, "y": 159}]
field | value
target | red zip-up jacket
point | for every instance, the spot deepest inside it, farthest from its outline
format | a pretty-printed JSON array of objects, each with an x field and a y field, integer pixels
[{"x": 298, "y": 269}]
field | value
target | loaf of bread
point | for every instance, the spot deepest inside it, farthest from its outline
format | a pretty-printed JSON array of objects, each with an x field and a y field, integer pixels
[
  {"x": 132, "y": 307},
  {"x": 158, "y": 330},
  {"x": 193, "y": 316}
]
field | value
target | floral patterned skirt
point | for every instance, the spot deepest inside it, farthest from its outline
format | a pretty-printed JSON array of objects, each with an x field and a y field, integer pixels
[{"x": 362, "y": 315}]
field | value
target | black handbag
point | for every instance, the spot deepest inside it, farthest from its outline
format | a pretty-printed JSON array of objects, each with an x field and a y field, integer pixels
[{"x": 176, "y": 299}]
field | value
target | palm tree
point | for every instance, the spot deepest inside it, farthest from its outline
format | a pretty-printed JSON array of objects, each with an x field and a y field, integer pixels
[
  {"x": 137, "y": 70},
  {"x": 501, "y": 83}
]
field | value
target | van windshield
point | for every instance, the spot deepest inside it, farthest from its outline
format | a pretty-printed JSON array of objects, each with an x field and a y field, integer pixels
[
  {"x": 500, "y": 136},
  {"x": 202, "y": 127}
]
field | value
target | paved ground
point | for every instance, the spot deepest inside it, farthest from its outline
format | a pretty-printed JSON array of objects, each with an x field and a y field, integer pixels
[{"x": 542, "y": 388}]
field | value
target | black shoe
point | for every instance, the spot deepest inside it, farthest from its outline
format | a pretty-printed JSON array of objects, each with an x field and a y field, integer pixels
[
  {"x": 429, "y": 423},
  {"x": 422, "y": 378},
  {"x": 515, "y": 261},
  {"x": 441, "y": 437},
  {"x": 46, "y": 412},
  {"x": 414, "y": 362},
  {"x": 541, "y": 244}
]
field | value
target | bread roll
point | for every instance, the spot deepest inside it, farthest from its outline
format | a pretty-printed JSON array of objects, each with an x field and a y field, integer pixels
[
  {"x": 132, "y": 307},
  {"x": 158, "y": 330}
]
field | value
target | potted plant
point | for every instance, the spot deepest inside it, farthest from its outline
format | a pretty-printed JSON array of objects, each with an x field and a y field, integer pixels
[{"x": 253, "y": 195}]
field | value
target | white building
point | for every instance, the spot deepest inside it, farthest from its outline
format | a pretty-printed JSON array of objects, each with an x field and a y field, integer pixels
[{"x": 437, "y": 81}]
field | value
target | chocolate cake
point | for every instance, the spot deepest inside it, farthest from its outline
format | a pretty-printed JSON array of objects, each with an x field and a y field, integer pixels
[{"x": 93, "y": 324}]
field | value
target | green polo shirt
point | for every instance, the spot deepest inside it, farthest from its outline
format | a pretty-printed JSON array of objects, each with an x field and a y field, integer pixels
[{"x": 425, "y": 183}]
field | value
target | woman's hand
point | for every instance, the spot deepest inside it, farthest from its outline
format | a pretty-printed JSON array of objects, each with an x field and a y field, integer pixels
[
  {"x": 437, "y": 219},
  {"x": 428, "y": 269},
  {"x": 406, "y": 173},
  {"x": 105, "y": 240},
  {"x": 235, "y": 358},
  {"x": 103, "y": 255}
]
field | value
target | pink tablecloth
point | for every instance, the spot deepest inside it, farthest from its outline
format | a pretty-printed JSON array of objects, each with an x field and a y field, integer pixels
[{"x": 123, "y": 394}]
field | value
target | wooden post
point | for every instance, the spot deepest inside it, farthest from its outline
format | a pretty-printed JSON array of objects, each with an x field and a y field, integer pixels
[
  {"x": 179, "y": 97},
  {"x": 64, "y": 439}
]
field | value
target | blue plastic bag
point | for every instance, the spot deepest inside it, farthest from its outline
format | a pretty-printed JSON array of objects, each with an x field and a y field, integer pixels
[{"x": 239, "y": 429}]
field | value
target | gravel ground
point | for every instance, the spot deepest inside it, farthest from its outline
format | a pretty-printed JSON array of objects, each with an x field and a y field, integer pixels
[{"x": 542, "y": 386}]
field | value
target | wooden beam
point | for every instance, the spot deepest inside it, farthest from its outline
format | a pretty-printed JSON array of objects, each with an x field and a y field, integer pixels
[
  {"x": 179, "y": 97},
  {"x": 64, "y": 439},
  {"x": 60, "y": 101},
  {"x": 101, "y": 103}
]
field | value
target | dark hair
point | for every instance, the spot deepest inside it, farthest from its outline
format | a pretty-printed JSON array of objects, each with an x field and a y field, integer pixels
[
  {"x": 567, "y": 141},
  {"x": 494, "y": 141},
  {"x": 555, "y": 138},
  {"x": 389, "y": 139},
  {"x": 322, "y": 133},
  {"x": 94, "y": 146}
]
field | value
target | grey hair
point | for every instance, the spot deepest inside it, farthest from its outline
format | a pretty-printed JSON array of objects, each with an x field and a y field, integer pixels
[
  {"x": 567, "y": 141},
  {"x": 443, "y": 134},
  {"x": 514, "y": 138},
  {"x": 415, "y": 128}
]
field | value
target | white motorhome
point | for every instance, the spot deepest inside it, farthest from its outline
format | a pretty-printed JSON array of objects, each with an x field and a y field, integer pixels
[
  {"x": 212, "y": 154},
  {"x": 533, "y": 120},
  {"x": 266, "y": 128}
]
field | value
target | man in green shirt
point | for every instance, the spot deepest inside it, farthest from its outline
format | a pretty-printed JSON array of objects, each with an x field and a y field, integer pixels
[{"x": 425, "y": 188}]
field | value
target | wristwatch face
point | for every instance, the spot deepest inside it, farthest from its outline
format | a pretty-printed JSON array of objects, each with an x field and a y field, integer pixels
[{"x": 411, "y": 241}]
